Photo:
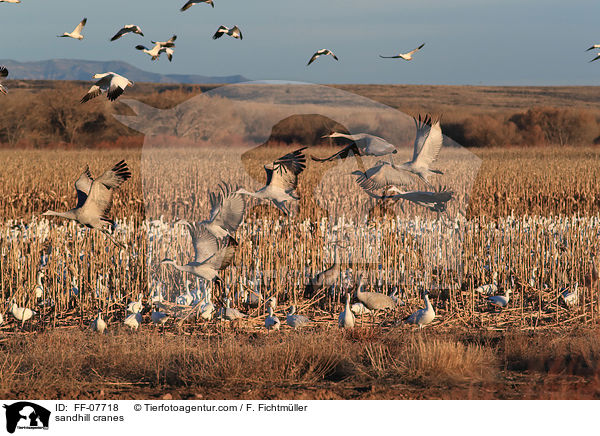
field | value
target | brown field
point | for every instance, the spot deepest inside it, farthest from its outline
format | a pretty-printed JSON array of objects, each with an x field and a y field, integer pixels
[{"x": 533, "y": 213}]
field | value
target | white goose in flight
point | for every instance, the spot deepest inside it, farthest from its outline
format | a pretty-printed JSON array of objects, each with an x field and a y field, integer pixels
[
  {"x": 10, "y": 1},
  {"x": 76, "y": 34},
  {"x": 191, "y": 3},
  {"x": 94, "y": 198},
  {"x": 156, "y": 51},
  {"x": 111, "y": 83},
  {"x": 406, "y": 56},
  {"x": 322, "y": 52},
  {"x": 3, "y": 73},
  {"x": 169, "y": 43},
  {"x": 282, "y": 180},
  {"x": 234, "y": 31},
  {"x": 128, "y": 28},
  {"x": 596, "y": 58},
  {"x": 363, "y": 144},
  {"x": 594, "y": 47}
]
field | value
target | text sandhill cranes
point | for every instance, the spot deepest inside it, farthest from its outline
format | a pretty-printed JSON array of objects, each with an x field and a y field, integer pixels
[
  {"x": 322, "y": 52},
  {"x": 406, "y": 56},
  {"x": 94, "y": 198},
  {"x": 235, "y": 32},
  {"x": 191, "y": 3},
  {"x": 76, "y": 33},
  {"x": 127, "y": 28},
  {"x": 3, "y": 74},
  {"x": 422, "y": 316},
  {"x": 282, "y": 180},
  {"x": 112, "y": 83}
]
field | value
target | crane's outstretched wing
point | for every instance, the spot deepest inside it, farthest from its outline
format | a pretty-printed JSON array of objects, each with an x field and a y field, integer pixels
[
  {"x": 227, "y": 208},
  {"x": 381, "y": 176},
  {"x": 285, "y": 170},
  {"x": 99, "y": 199},
  {"x": 423, "y": 125},
  {"x": 432, "y": 146},
  {"x": 83, "y": 185}
]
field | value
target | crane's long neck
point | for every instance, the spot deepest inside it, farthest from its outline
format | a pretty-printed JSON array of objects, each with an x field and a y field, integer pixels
[
  {"x": 70, "y": 215},
  {"x": 347, "y": 302},
  {"x": 183, "y": 268}
]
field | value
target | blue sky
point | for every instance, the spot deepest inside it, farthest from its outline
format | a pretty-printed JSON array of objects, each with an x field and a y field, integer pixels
[{"x": 506, "y": 42}]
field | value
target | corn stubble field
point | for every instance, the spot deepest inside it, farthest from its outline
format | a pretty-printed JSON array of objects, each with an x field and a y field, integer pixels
[{"x": 532, "y": 214}]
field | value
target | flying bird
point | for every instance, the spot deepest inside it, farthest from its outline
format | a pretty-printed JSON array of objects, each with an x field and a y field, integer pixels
[
  {"x": 94, "y": 198},
  {"x": 363, "y": 144},
  {"x": 169, "y": 43},
  {"x": 3, "y": 73},
  {"x": 76, "y": 34},
  {"x": 156, "y": 51},
  {"x": 234, "y": 31},
  {"x": 282, "y": 180},
  {"x": 191, "y": 3},
  {"x": 111, "y": 83},
  {"x": 128, "y": 28},
  {"x": 594, "y": 47},
  {"x": 322, "y": 52},
  {"x": 596, "y": 58},
  {"x": 406, "y": 56},
  {"x": 10, "y": 1}
]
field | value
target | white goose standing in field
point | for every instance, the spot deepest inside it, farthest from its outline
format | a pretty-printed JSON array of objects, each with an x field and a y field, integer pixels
[
  {"x": 226, "y": 212},
  {"x": 234, "y": 32},
  {"x": 294, "y": 320},
  {"x": 98, "y": 324},
  {"x": 271, "y": 321},
  {"x": 21, "y": 313},
  {"x": 363, "y": 144},
  {"x": 76, "y": 33},
  {"x": 422, "y": 316},
  {"x": 127, "y": 28},
  {"x": 133, "y": 321},
  {"x": 191, "y": 3},
  {"x": 282, "y": 180},
  {"x": 500, "y": 301},
  {"x": 322, "y": 52},
  {"x": 207, "y": 308},
  {"x": 406, "y": 56},
  {"x": 346, "y": 318},
  {"x": 38, "y": 290},
  {"x": 3, "y": 73},
  {"x": 112, "y": 83},
  {"x": 94, "y": 198}
]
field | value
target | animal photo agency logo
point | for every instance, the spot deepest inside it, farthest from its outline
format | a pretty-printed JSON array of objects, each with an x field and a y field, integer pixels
[{"x": 25, "y": 415}]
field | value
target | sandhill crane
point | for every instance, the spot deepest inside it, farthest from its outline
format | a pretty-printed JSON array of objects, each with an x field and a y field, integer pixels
[
  {"x": 21, "y": 313},
  {"x": 373, "y": 300},
  {"x": 422, "y": 316},
  {"x": 363, "y": 144},
  {"x": 127, "y": 28},
  {"x": 594, "y": 47},
  {"x": 191, "y": 3},
  {"x": 158, "y": 318},
  {"x": 156, "y": 51},
  {"x": 76, "y": 33},
  {"x": 38, "y": 290},
  {"x": 94, "y": 198},
  {"x": 294, "y": 320},
  {"x": 346, "y": 318},
  {"x": 3, "y": 73},
  {"x": 98, "y": 324},
  {"x": 234, "y": 31},
  {"x": 111, "y": 83},
  {"x": 230, "y": 313},
  {"x": 211, "y": 255},
  {"x": 324, "y": 279},
  {"x": 133, "y": 321},
  {"x": 271, "y": 321},
  {"x": 322, "y": 52},
  {"x": 135, "y": 306},
  {"x": 435, "y": 201},
  {"x": 406, "y": 56},
  {"x": 282, "y": 180},
  {"x": 226, "y": 212}
]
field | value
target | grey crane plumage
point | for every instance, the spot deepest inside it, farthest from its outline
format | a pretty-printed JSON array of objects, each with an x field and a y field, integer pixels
[
  {"x": 426, "y": 148},
  {"x": 282, "y": 180},
  {"x": 294, "y": 320},
  {"x": 363, "y": 144},
  {"x": 324, "y": 279},
  {"x": 94, "y": 198},
  {"x": 373, "y": 300},
  {"x": 271, "y": 321}
]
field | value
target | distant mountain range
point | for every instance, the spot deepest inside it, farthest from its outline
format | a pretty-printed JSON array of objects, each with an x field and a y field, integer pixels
[{"x": 75, "y": 69}]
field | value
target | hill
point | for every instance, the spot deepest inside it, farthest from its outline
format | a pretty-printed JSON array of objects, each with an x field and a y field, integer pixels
[{"x": 76, "y": 69}]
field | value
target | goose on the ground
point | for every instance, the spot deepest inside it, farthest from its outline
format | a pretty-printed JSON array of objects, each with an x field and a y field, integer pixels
[
  {"x": 571, "y": 296},
  {"x": 234, "y": 31},
  {"x": 98, "y": 324},
  {"x": 359, "y": 309},
  {"x": 159, "y": 318},
  {"x": 271, "y": 321},
  {"x": 111, "y": 83},
  {"x": 127, "y": 28},
  {"x": 38, "y": 290},
  {"x": 76, "y": 33},
  {"x": 346, "y": 318},
  {"x": 191, "y": 3},
  {"x": 294, "y": 320},
  {"x": 406, "y": 56},
  {"x": 230, "y": 313},
  {"x": 133, "y": 321},
  {"x": 186, "y": 298},
  {"x": 94, "y": 198},
  {"x": 322, "y": 52},
  {"x": 21, "y": 313},
  {"x": 282, "y": 180},
  {"x": 3, "y": 73},
  {"x": 422, "y": 316},
  {"x": 500, "y": 300}
]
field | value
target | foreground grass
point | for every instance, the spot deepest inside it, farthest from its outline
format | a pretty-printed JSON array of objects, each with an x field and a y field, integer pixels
[{"x": 399, "y": 363}]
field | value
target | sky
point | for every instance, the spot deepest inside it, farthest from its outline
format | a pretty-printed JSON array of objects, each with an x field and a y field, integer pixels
[{"x": 467, "y": 42}]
